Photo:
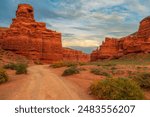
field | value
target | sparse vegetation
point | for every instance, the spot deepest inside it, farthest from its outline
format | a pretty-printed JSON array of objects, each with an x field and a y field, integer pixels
[
  {"x": 113, "y": 68},
  {"x": 63, "y": 64},
  {"x": 82, "y": 63},
  {"x": 71, "y": 64},
  {"x": 67, "y": 64},
  {"x": 97, "y": 71},
  {"x": 109, "y": 64},
  {"x": 71, "y": 71},
  {"x": 21, "y": 68},
  {"x": 57, "y": 65},
  {"x": 3, "y": 76},
  {"x": 116, "y": 89},
  {"x": 11, "y": 66},
  {"x": 130, "y": 59},
  {"x": 143, "y": 79}
]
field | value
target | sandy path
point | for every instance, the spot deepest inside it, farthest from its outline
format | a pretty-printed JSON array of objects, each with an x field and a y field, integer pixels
[{"x": 42, "y": 84}]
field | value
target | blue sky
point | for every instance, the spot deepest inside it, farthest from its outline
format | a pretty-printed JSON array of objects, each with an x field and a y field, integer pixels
[{"x": 83, "y": 23}]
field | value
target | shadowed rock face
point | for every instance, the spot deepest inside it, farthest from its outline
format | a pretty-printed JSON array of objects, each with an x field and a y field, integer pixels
[
  {"x": 32, "y": 39},
  {"x": 138, "y": 42}
]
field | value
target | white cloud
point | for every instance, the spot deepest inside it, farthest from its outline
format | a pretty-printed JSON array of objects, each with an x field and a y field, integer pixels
[
  {"x": 109, "y": 17},
  {"x": 81, "y": 42},
  {"x": 90, "y": 4},
  {"x": 136, "y": 6}
]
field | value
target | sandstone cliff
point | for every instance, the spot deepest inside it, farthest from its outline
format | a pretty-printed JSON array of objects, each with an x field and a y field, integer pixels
[
  {"x": 75, "y": 55},
  {"x": 138, "y": 42}
]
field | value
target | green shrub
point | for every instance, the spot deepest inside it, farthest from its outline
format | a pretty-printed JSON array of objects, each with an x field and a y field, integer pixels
[
  {"x": 105, "y": 64},
  {"x": 71, "y": 64},
  {"x": 143, "y": 79},
  {"x": 82, "y": 63},
  {"x": 113, "y": 68},
  {"x": 97, "y": 71},
  {"x": 11, "y": 66},
  {"x": 109, "y": 64},
  {"x": 57, "y": 65},
  {"x": 117, "y": 89},
  {"x": 71, "y": 71},
  {"x": 21, "y": 69},
  {"x": 3, "y": 76}
]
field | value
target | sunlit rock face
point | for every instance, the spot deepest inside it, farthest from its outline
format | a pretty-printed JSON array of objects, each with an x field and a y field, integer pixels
[
  {"x": 75, "y": 55},
  {"x": 32, "y": 39},
  {"x": 138, "y": 42}
]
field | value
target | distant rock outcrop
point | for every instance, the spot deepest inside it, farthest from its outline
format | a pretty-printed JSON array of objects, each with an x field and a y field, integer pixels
[
  {"x": 75, "y": 55},
  {"x": 32, "y": 39},
  {"x": 138, "y": 42}
]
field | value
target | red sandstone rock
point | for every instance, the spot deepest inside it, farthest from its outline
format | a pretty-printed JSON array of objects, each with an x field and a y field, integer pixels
[
  {"x": 75, "y": 55},
  {"x": 134, "y": 43},
  {"x": 30, "y": 38},
  {"x": 2, "y": 32},
  {"x": 33, "y": 40}
]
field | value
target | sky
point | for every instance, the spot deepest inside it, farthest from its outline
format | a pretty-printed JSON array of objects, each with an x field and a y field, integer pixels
[{"x": 83, "y": 23}]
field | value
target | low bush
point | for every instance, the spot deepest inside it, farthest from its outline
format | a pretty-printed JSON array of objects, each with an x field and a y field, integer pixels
[
  {"x": 113, "y": 68},
  {"x": 57, "y": 65},
  {"x": 82, "y": 63},
  {"x": 3, "y": 76},
  {"x": 117, "y": 89},
  {"x": 63, "y": 64},
  {"x": 97, "y": 71},
  {"x": 143, "y": 79},
  {"x": 110, "y": 64},
  {"x": 11, "y": 66},
  {"x": 71, "y": 71},
  {"x": 105, "y": 64},
  {"x": 71, "y": 64},
  {"x": 21, "y": 69}
]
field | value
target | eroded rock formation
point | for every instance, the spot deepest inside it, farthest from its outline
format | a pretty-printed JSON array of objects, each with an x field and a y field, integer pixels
[
  {"x": 75, "y": 55},
  {"x": 32, "y": 39},
  {"x": 138, "y": 42}
]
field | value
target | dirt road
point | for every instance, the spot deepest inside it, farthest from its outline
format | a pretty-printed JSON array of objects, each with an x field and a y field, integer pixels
[{"x": 41, "y": 84}]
